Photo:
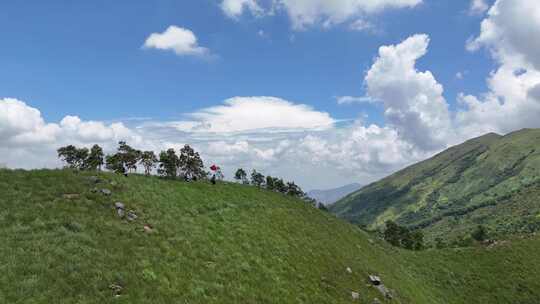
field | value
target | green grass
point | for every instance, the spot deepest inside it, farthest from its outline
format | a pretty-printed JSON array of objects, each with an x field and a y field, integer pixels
[
  {"x": 491, "y": 180},
  {"x": 222, "y": 244},
  {"x": 507, "y": 273}
]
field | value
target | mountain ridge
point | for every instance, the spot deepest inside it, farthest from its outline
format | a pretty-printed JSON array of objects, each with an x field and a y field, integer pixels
[
  {"x": 330, "y": 196},
  {"x": 457, "y": 189}
]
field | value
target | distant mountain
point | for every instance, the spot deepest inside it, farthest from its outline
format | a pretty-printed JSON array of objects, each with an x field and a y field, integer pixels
[
  {"x": 491, "y": 180},
  {"x": 331, "y": 196}
]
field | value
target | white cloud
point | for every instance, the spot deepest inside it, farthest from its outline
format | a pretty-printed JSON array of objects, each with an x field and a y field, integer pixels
[
  {"x": 223, "y": 148},
  {"x": 412, "y": 100},
  {"x": 23, "y": 131},
  {"x": 270, "y": 134},
  {"x": 509, "y": 105},
  {"x": 508, "y": 32},
  {"x": 235, "y": 8},
  {"x": 534, "y": 92},
  {"x": 243, "y": 114},
  {"x": 358, "y": 148},
  {"x": 180, "y": 40},
  {"x": 362, "y": 25},
  {"x": 306, "y": 13},
  {"x": 20, "y": 124},
  {"x": 478, "y": 7},
  {"x": 344, "y": 100},
  {"x": 94, "y": 131}
]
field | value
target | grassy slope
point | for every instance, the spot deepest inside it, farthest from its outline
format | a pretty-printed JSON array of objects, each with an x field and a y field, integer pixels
[
  {"x": 221, "y": 244},
  {"x": 508, "y": 273},
  {"x": 490, "y": 180}
]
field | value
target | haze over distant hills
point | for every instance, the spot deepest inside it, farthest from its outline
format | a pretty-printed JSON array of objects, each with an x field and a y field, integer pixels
[
  {"x": 491, "y": 180},
  {"x": 330, "y": 196}
]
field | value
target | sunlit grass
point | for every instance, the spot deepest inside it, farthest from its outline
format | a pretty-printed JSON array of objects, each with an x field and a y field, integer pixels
[{"x": 220, "y": 244}]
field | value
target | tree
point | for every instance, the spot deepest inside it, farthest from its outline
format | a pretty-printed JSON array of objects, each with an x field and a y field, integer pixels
[
  {"x": 124, "y": 160},
  {"x": 280, "y": 186},
  {"x": 75, "y": 158},
  {"x": 393, "y": 233},
  {"x": 311, "y": 201},
  {"x": 148, "y": 160},
  {"x": 480, "y": 234},
  {"x": 257, "y": 179},
  {"x": 270, "y": 183},
  {"x": 168, "y": 163},
  {"x": 241, "y": 176},
  {"x": 191, "y": 164},
  {"x": 417, "y": 240},
  {"x": 402, "y": 237},
  {"x": 82, "y": 157},
  {"x": 407, "y": 241},
  {"x": 130, "y": 157},
  {"x": 68, "y": 155},
  {"x": 115, "y": 163},
  {"x": 95, "y": 159},
  {"x": 294, "y": 190},
  {"x": 323, "y": 207}
]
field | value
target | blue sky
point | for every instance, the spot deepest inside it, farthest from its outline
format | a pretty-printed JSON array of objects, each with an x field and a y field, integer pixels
[
  {"x": 86, "y": 58},
  {"x": 90, "y": 72}
]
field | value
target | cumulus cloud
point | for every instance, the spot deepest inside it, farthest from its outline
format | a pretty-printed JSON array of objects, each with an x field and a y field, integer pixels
[
  {"x": 275, "y": 136},
  {"x": 23, "y": 131},
  {"x": 306, "y": 13},
  {"x": 412, "y": 100},
  {"x": 243, "y": 114},
  {"x": 235, "y": 8},
  {"x": 20, "y": 124},
  {"x": 312, "y": 151},
  {"x": 180, "y": 40},
  {"x": 508, "y": 33},
  {"x": 358, "y": 148},
  {"x": 94, "y": 131}
]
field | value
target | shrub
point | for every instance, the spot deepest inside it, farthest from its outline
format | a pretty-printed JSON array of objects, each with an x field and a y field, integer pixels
[
  {"x": 480, "y": 233},
  {"x": 402, "y": 237}
]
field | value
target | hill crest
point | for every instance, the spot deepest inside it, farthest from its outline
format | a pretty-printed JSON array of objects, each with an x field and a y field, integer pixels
[{"x": 477, "y": 182}]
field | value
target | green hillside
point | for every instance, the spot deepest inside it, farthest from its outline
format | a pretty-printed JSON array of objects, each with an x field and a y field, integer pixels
[
  {"x": 491, "y": 180},
  {"x": 62, "y": 242}
]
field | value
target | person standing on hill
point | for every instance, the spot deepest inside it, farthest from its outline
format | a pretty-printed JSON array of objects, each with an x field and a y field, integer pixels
[{"x": 217, "y": 175}]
